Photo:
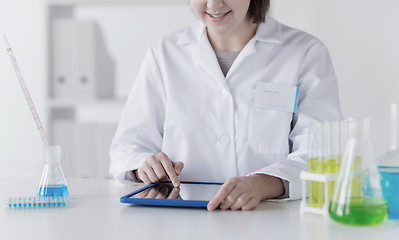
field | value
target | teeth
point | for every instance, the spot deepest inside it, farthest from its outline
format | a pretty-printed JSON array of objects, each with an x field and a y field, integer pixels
[{"x": 218, "y": 15}]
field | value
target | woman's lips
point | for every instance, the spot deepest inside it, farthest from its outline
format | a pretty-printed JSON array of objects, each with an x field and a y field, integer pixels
[{"x": 217, "y": 17}]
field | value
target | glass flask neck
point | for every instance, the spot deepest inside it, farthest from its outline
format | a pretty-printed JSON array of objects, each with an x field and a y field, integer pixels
[
  {"x": 358, "y": 130},
  {"x": 394, "y": 133},
  {"x": 53, "y": 155}
]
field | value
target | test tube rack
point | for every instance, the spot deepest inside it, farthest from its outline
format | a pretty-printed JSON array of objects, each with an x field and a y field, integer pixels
[{"x": 316, "y": 177}]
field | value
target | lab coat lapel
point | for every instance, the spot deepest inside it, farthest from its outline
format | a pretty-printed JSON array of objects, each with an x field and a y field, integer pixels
[
  {"x": 248, "y": 50},
  {"x": 267, "y": 32},
  {"x": 206, "y": 58}
]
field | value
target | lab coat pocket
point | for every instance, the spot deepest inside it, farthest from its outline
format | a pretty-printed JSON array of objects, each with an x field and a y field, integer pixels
[{"x": 269, "y": 130}]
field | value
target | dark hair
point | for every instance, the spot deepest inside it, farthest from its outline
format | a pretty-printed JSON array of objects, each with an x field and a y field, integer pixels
[{"x": 257, "y": 10}]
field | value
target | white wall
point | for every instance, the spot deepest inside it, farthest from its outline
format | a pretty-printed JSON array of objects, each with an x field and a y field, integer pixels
[
  {"x": 20, "y": 145},
  {"x": 363, "y": 39},
  {"x": 127, "y": 47},
  {"x": 362, "y": 36}
]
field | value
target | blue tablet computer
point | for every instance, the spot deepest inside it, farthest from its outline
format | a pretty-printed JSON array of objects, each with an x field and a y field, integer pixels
[{"x": 189, "y": 194}]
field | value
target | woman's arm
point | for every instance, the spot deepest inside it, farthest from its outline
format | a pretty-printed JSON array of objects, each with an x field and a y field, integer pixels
[{"x": 140, "y": 129}]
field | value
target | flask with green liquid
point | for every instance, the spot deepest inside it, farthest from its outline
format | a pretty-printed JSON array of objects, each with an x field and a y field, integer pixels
[{"x": 357, "y": 197}]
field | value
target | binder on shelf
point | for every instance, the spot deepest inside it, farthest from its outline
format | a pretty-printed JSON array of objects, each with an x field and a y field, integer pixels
[{"x": 81, "y": 67}]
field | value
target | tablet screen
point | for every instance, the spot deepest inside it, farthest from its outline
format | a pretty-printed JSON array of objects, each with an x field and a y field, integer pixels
[{"x": 186, "y": 191}]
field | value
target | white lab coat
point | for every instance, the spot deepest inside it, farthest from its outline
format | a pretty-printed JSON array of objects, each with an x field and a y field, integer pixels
[{"x": 182, "y": 104}]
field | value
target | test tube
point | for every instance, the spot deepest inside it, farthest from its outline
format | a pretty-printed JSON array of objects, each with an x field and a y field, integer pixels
[
  {"x": 315, "y": 164},
  {"x": 328, "y": 160},
  {"x": 335, "y": 158},
  {"x": 335, "y": 144}
]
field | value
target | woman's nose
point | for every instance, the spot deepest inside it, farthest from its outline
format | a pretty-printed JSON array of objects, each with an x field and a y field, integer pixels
[{"x": 214, "y": 5}]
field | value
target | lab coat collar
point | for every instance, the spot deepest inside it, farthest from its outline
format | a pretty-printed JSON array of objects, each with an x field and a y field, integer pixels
[
  {"x": 192, "y": 34},
  {"x": 269, "y": 31}
]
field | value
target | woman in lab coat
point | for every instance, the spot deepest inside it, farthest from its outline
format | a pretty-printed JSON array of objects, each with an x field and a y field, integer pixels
[{"x": 227, "y": 99}]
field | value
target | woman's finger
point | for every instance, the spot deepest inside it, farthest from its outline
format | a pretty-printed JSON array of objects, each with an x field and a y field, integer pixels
[
  {"x": 170, "y": 171},
  {"x": 241, "y": 201},
  {"x": 159, "y": 170},
  {"x": 151, "y": 174},
  {"x": 178, "y": 166},
  {"x": 231, "y": 198},
  {"x": 223, "y": 192},
  {"x": 252, "y": 203},
  {"x": 143, "y": 176}
]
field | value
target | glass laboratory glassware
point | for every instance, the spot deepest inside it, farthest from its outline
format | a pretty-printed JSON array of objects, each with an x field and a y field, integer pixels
[
  {"x": 53, "y": 182},
  {"x": 388, "y": 165},
  {"x": 357, "y": 197},
  {"x": 316, "y": 189},
  {"x": 333, "y": 157}
]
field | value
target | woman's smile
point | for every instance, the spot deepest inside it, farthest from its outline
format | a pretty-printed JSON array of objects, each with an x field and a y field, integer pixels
[{"x": 218, "y": 17}]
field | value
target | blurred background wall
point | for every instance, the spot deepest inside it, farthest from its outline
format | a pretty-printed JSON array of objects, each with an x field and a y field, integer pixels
[{"x": 362, "y": 37}]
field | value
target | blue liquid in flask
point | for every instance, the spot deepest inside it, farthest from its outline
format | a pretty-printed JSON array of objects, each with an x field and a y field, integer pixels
[
  {"x": 390, "y": 189},
  {"x": 53, "y": 190},
  {"x": 53, "y": 182}
]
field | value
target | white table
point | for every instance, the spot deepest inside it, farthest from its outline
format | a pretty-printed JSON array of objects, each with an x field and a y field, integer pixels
[{"x": 96, "y": 213}]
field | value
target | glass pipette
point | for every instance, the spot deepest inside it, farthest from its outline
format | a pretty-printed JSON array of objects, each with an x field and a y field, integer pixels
[{"x": 26, "y": 92}]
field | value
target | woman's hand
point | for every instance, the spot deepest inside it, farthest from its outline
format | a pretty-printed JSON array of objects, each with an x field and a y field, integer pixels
[
  {"x": 245, "y": 193},
  {"x": 159, "y": 167}
]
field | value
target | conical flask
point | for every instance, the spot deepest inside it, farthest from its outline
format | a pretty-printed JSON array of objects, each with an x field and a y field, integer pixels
[
  {"x": 388, "y": 165},
  {"x": 53, "y": 182},
  {"x": 357, "y": 197}
]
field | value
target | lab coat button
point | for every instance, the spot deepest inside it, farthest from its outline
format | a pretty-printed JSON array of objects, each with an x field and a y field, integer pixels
[
  {"x": 225, "y": 140},
  {"x": 225, "y": 92}
]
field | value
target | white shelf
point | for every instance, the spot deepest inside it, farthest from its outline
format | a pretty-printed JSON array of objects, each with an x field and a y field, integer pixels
[
  {"x": 100, "y": 111},
  {"x": 59, "y": 103}
]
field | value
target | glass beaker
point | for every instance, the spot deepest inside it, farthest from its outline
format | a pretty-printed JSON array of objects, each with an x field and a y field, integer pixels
[
  {"x": 388, "y": 165},
  {"x": 53, "y": 182},
  {"x": 357, "y": 197}
]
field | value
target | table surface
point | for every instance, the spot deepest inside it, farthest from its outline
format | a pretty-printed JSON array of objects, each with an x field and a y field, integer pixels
[{"x": 96, "y": 213}]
